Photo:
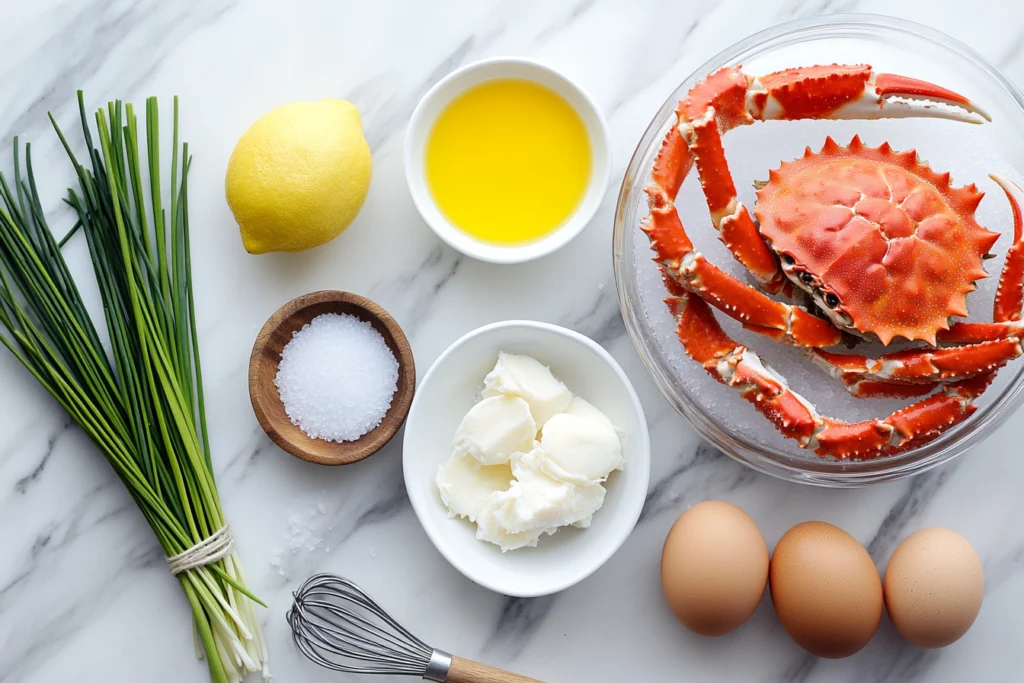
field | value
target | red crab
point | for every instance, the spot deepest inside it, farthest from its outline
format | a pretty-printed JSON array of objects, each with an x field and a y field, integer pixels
[{"x": 884, "y": 246}]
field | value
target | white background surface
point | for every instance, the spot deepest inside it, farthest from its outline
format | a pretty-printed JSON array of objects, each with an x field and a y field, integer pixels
[{"x": 84, "y": 593}]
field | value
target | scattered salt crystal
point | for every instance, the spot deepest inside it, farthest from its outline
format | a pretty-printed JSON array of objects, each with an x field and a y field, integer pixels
[
  {"x": 302, "y": 534},
  {"x": 277, "y": 560},
  {"x": 337, "y": 378}
]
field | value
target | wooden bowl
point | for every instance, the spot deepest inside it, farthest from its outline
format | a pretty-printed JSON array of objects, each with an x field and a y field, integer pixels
[{"x": 266, "y": 355}]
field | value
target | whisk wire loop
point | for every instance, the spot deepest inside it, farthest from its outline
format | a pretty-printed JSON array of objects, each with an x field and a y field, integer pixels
[
  {"x": 353, "y": 618},
  {"x": 338, "y": 626}
]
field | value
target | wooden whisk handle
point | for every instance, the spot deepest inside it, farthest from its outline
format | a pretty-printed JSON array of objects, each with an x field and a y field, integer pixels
[{"x": 466, "y": 671}]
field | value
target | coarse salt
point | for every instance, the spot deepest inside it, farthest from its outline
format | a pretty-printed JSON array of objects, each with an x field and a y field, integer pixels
[
  {"x": 302, "y": 535},
  {"x": 337, "y": 378}
]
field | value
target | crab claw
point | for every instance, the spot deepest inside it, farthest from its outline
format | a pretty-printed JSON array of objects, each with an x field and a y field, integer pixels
[
  {"x": 922, "y": 94},
  {"x": 1010, "y": 294},
  {"x": 854, "y": 92}
]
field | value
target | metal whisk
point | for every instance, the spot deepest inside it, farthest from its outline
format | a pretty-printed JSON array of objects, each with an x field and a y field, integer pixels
[{"x": 338, "y": 626}]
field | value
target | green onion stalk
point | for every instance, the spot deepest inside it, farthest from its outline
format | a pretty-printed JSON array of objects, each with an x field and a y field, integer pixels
[{"x": 140, "y": 399}]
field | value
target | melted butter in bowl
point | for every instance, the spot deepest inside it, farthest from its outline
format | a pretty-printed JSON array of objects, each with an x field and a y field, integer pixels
[{"x": 506, "y": 160}]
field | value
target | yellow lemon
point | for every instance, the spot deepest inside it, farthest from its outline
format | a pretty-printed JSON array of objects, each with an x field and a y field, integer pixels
[{"x": 299, "y": 176}]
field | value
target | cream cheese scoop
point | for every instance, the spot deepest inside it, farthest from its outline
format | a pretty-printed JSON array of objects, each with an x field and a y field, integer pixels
[
  {"x": 528, "y": 459},
  {"x": 530, "y": 380},
  {"x": 494, "y": 429}
]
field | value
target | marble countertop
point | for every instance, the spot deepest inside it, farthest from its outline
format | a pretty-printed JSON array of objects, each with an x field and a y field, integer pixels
[{"x": 84, "y": 591}]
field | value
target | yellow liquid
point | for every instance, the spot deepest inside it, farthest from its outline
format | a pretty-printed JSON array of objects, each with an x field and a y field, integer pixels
[{"x": 508, "y": 161}]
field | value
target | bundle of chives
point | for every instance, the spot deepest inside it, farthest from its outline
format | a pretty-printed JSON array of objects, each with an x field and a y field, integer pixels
[{"x": 142, "y": 403}]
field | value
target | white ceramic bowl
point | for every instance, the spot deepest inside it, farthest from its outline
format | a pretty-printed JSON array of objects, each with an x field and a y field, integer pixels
[
  {"x": 452, "y": 386},
  {"x": 454, "y": 84}
]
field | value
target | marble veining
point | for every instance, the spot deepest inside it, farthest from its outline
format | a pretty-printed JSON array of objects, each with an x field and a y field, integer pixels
[{"x": 84, "y": 592}]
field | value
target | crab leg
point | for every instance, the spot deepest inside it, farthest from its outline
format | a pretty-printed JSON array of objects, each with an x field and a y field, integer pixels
[
  {"x": 1010, "y": 293},
  {"x": 711, "y": 108},
  {"x": 853, "y": 91},
  {"x": 689, "y": 268},
  {"x": 871, "y": 388},
  {"x": 908, "y": 428},
  {"x": 734, "y": 365},
  {"x": 737, "y": 366},
  {"x": 915, "y": 372},
  {"x": 971, "y": 333}
]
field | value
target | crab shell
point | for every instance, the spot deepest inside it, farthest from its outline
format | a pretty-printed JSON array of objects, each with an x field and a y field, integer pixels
[{"x": 884, "y": 244}]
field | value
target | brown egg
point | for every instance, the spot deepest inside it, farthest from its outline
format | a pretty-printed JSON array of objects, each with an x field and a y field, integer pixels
[
  {"x": 714, "y": 567},
  {"x": 825, "y": 589},
  {"x": 934, "y": 586}
]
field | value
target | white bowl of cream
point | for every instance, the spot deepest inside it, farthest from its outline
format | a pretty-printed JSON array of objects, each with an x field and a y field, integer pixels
[{"x": 446, "y": 394}]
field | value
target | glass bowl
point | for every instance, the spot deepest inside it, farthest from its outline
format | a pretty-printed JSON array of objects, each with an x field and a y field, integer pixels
[{"x": 969, "y": 152}]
